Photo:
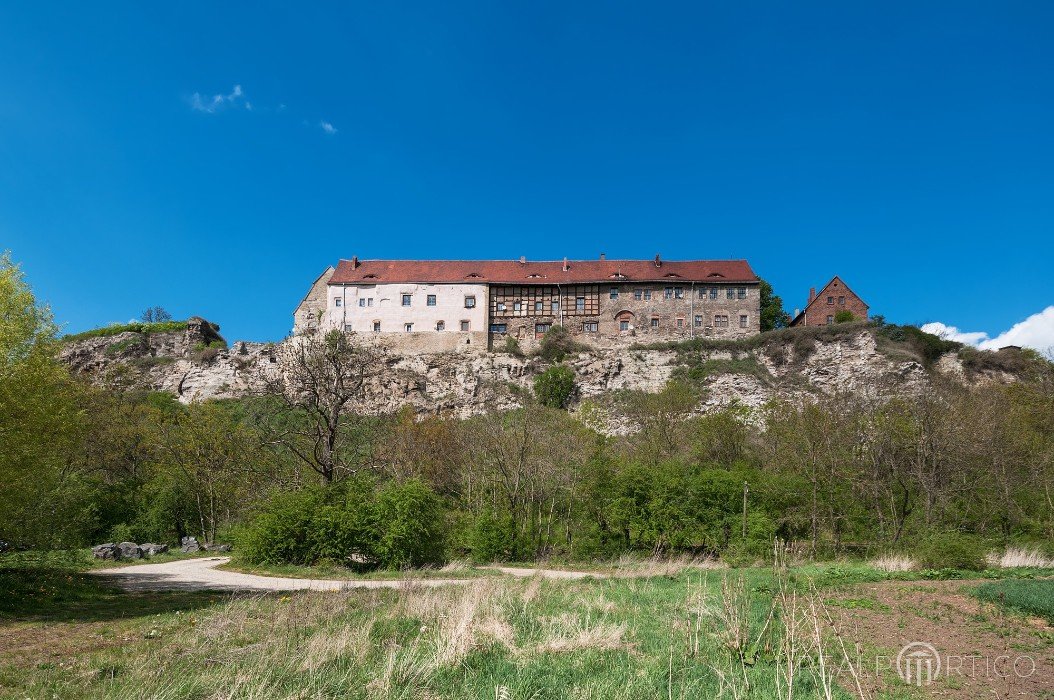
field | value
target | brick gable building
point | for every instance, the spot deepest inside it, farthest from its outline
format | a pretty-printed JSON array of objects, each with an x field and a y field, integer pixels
[{"x": 823, "y": 308}]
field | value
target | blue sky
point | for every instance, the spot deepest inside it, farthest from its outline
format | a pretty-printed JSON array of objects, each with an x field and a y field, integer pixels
[{"x": 905, "y": 146}]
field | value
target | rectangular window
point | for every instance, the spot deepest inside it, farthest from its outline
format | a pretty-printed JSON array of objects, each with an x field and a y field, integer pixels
[
  {"x": 654, "y": 322},
  {"x": 369, "y": 301},
  {"x": 702, "y": 292},
  {"x": 830, "y": 320},
  {"x": 376, "y": 326},
  {"x": 680, "y": 323},
  {"x": 464, "y": 325},
  {"x": 336, "y": 301},
  {"x": 590, "y": 326},
  {"x": 698, "y": 321},
  {"x": 406, "y": 299},
  {"x": 409, "y": 327},
  {"x": 613, "y": 294},
  {"x": 678, "y": 292},
  {"x": 742, "y": 320},
  {"x": 501, "y": 306},
  {"x": 470, "y": 302},
  {"x": 431, "y": 300},
  {"x": 647, "y": 295},
  {"x": 440, "y": 325},
  {"x": 499, "y": 328},
  {"x": 580, "y": 303},
  {"x": 830, "y": 300},
  {"x": 741, "y": 293},
  {"x": 730, "y": 293},
  {"x": 555, "y": 306},
  {"x": 348, "y": 328},
  {"x": 623, "y": 325},
  {"x": 721, "y": 321},
  {"x": 539, "y": 306},
  {"x": 713, "y": 292},
  {"x": 542, "y": 328},
  {"x": 638, "y": 294},
  {"x": 841, "y": 301},
  {"x": 362, "y": 302},
  {"x": 667, "y": 293},
  {"x": 516, "y": 305}
]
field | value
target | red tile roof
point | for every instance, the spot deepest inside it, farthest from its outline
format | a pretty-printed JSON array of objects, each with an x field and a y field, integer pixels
[{"x": 540, "y": 272}]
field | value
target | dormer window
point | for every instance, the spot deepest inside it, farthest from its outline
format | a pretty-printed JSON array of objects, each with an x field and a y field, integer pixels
[
  {"x": 473, "y": 275},
  {"x": 715, "y": 274},
  {"x": 370, "y": 276},
  {"x": 533, "y": 276},
  {"x": 671, "y": 274}
]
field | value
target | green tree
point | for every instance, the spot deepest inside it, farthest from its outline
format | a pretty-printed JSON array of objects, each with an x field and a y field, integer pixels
[
  {"x": 844, "y": 316},
  {"x": 772, "y": 314},
  {"x": 555, "y": 386},
  {"x": 41, "y": 496}
]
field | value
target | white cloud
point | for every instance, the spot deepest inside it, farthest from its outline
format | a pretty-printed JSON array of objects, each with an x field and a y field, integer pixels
[
  {"x": 211, "y": 105},
  {"x": 1036, "y": 331},
  {"x": 327, "y": 127}
]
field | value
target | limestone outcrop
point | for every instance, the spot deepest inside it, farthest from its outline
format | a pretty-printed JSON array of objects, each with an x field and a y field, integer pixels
[{"x": 192, "y": 365}]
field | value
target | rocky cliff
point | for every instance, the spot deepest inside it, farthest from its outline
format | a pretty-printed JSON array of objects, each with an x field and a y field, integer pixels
[{"x": 196, "y": 364}]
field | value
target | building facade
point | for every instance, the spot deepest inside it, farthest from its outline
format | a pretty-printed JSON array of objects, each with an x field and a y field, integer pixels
[
  {"x": 482, "y": 303},
  {"x": 822, "y": 309}
]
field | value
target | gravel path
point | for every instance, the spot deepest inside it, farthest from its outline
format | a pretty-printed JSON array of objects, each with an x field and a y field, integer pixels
[{"x": 201, "y": 574}]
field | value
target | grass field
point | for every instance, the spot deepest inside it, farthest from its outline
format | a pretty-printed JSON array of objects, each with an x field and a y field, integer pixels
[
  {"x": 1034, "y": 597},
  {"x": 684, "y": 632}
]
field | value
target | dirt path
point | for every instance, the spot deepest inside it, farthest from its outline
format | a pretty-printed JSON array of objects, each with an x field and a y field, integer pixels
[
  {"x": 202, "y": 574},
  {"x": 984, "y": 652}
]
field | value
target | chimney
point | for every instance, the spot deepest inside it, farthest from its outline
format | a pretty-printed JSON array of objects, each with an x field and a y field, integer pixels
[
  {"x": 523, "y": 259},
  {"x": 566, "y": 266},
  {"x": 354, "y": 262},
  {"x": 658, "y": 260},
  {"x": 812, "y": 294},
  {"x": 603, "y": 257}
]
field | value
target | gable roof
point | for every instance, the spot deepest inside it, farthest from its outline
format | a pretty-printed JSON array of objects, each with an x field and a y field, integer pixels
[
  {"x": 845, "y": 286},
  {"x": 540, "y": 272}
]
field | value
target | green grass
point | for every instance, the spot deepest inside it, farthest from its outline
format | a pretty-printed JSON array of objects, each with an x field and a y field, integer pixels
[
  {"x": 135, "y": 327},
  {"x": 1031, "y": 596},
  {"x": 335, "y": 571}
]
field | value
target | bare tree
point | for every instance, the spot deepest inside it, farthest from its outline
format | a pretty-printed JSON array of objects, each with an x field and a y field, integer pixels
[
  {"x": 320, "y": 378},
  {"x": 155, "y": 314}
]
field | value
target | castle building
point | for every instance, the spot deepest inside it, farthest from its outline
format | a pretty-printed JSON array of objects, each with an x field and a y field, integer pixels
[
  {"x": 446, "y": 304},
  {"x": 823, "y": 308}
]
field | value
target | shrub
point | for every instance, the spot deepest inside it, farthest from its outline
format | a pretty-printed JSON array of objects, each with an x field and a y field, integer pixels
[
  {"x": 512, "y": 346},
  {"x": 557, "y": 343},
  {"x": 409, "y": 527},
  {"x": 555, "y": 386},
  {"x": 844, "y": 316},
  {"x": 952, "y": 550},
  {"x": 283, "y": 532},
  {"x": 492, "y": 538}
]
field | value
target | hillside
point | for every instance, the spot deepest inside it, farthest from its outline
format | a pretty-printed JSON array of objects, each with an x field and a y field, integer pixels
[{"x": 194, "y": 363}]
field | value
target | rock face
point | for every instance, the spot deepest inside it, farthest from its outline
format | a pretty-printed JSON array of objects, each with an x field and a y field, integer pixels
[{"x": 466, "y": 384}]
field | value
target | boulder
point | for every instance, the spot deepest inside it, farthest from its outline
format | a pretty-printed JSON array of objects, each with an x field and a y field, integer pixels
[
  {"x": 218, "y": 547},
  {"x": 190, "y": 545},
  {"x": 130, "y": 550},
  {"x": 149, "y": 549},
  {"x": 109, "y": 550}
]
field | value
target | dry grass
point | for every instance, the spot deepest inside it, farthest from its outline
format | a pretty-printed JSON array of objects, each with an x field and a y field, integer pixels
[
  {"x": 629, "y": 566},
  {"x": 1021, "y": 557},
  {"x": 566, "y": 632},
  {"x": 894, "y": 562}
]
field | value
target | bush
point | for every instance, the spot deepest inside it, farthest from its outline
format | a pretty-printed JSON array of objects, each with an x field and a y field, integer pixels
[
  {"x": 844, "y": 316},
  {"x": 952, "y": 550},
  {"x": 557, "y": 343},
  {"x": 400, "y": 525},
  {"x": 408, "y": 525},
  {"x": 114, "y": 329},
  {"x": 492, "y": 538},
  {"x": 512, "y": 346},
  {"x": 555, "y": 386}
]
